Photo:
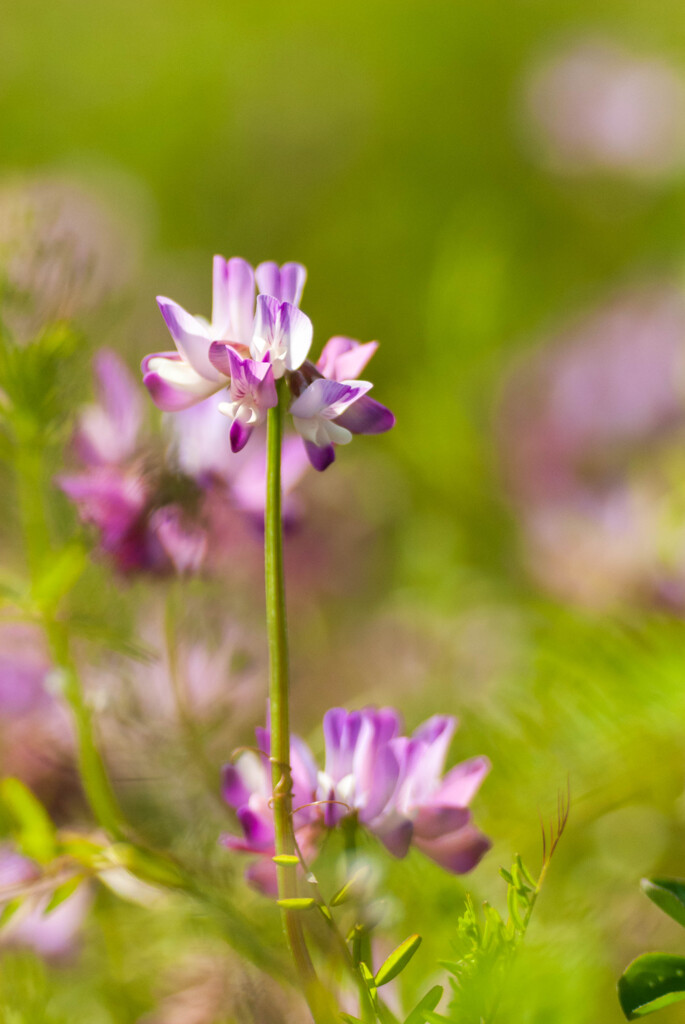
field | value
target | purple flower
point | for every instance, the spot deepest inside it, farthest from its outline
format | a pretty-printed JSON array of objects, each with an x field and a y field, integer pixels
[
  {"x": 330, "y": 404},
  {"x": 282, "y": 334},
  {"x": 285, "y": 283},
  {"x": 247, "y": 788},
  {"x": 324, "y": 415},
  {"x": 252, "y": 390},
  {"x": 316, "y": 415},
  {"x": 391, "y": 784},
  {"x": 138, "y": 527},
  {"x": 177, "y": 380}
]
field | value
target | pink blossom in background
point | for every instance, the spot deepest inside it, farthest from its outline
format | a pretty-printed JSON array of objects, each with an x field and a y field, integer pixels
[
  {"x": 597, "y": 107},
  {"x": 54, "y": 935},
  {"x": 591, "y": 428}
]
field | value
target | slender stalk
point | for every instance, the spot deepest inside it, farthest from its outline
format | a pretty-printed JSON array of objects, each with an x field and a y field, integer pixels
[
  {"x": 282, "y": 782},
  {"x": 94, "y": 777},
  {"x": 30, "y": 491}
]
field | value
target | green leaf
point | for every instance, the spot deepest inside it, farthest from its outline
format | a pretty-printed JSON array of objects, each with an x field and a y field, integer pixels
[
  {"x": 398, "y": 960},
  {"x": 429, "y": 1002},
  {"x": 35, "y": 832},
  {"x": 349, "y": 1019},
  {"x": 353, "y": 887},
  {"x": 651, "y": 982},
  {"x": 9, "y": 910},
  {"x": 148, "y": 865},
  {"x": 668, "y": 894},
  {"x": 60, "y": 576},
  {"x": 297, "y": 903},
  {"x": 63, "y": 892}
]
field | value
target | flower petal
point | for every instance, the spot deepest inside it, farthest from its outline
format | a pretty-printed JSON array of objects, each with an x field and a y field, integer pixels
[
  {"x": 367, "y": 416},
  {"x": 285, "y": 284},
  {"x": 320, "y": 458},
  {"x": 328, "y": 398},
  {"x": 191, "y": 335},
  {"x": 458, "y": 851},
  {"x": 174, "y": 384},
  {"x": 233, "y": 299},
  {"x": 434, "y": 822},
  {"x": 185, "y": 544},
  {"x": 281, "y": 326},
  {"x": 462, "y": 782},
  {"x": 343, "y": 358},
  {"x": 107, "y": 431},
  {"x": 239, "y": 435}
]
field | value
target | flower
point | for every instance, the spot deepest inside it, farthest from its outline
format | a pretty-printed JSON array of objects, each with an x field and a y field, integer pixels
[
  {"x": 595, "y": 107},
  {"x": 391, "y": 784},
  {"x": 247, "y": 347},
  {"x": 247, "y": 787},
  {"x": 591, "y": 432},
  {"x": 138, "y": 526}
]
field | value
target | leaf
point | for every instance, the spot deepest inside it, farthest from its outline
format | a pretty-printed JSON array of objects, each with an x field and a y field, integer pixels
[
  {"x": 60, "y": 577},
  {"x": 349, "y": 1019},
  {"x": 35, "y": 832},
  {"x": 429, "y": 1002},
  {"x": 398, "y": 960},
  {"x": 668, "y": 894},
  {"x": 353, "y": 888},
  {"x": 63, "y": 892},
  {"x": 297, "y": 903},
  {"x": 9, "y": 910},
  {"x": 651, "y": 982}
]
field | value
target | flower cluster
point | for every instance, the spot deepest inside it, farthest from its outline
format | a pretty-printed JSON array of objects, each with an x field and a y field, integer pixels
[
  {"x": 139, "y": 522},
  {"x": 391, "y": 784},
  {"x": 248, "y": 346}
]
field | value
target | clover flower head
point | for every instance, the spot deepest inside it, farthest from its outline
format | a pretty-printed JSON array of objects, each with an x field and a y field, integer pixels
[
  {"x": 254, "y": 341},
  {"x": 389, "y": 783}
]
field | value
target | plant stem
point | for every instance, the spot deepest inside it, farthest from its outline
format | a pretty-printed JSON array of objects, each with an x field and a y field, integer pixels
[
  {"x": 282, "y": 782},
  {"x": 30, "y": 475}
]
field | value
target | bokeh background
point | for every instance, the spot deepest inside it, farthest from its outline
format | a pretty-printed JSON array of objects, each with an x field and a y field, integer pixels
[{"x": 497, "y": 194}]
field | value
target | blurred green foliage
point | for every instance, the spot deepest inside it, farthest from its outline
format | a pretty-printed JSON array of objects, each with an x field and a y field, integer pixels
[{"x": 385, "y": 147}]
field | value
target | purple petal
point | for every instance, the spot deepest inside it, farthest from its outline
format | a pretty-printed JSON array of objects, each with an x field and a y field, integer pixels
[
  {"x": 396, "y": 837},
  {"x": 462, "y": 782},
  {"x": 327, "y": 397},
  {"x": 233, "y": 299},
  {"x": 285, "y": 284},
  {"x": 107, "y": 499},
  {"x": 185, "y": 544},
  {"x": 173, "y": 384},
  {"x": 366, "y": 416},
  {"x": 239, "y": 435},
  {"x": 259, "y": 834},
  {"x": 263, "y": 876},
  {"x": 344, "y": 359},
  {"x": 281, "y": 323},
  {"x": 320, "y": 458},
  {"x": 219, "y": 358},
  {"x": 434, "y": 822},
  {"x": 233, "y": 788},
  {"x": 190, "y": 335},
  {"x": 107, "y": 432},
  {"x": 458, "y": 851}
]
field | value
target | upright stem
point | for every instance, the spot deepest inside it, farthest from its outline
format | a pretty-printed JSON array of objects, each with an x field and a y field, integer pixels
[
  {"x": 30, "y": 491},
  {"x": 282, "y": 782}
]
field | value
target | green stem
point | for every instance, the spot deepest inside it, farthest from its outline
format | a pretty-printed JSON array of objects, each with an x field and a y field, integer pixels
[
  {"x": 282, "y": 782},
  {"x": 30, "y": 477},
  {"x": 94, "y": 777}
]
